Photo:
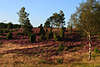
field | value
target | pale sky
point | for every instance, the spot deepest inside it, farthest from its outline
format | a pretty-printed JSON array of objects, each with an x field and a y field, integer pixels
[{"x": 39, "y": 10}]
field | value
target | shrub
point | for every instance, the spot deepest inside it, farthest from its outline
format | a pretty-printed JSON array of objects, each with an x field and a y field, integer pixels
[
  {"x": 9, "y": 35},
  {"x": 33, "y": 38},
  {"x": 47, "y": 36},
  {"x": 59, "y": 60},
  {"x": 60, "y": 48},
  {"x": 9, "y": 25},
  {"x": 96, "y": 50},
  {"x": 50, "y": 34},
  {"x": 42, "y": 37},
  {"x": 42, "y": 31},
  {"x": 55, "y": 37},
  {"x": 61, "y": 33}
]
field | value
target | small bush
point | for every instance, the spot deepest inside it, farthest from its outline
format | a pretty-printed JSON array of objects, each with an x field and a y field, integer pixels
[
  {"x": 47, "y": 36},
  {"x": 61, "y": 34},
  {"x": 60, "y": 48},
  {"x": 33, "y": 38},
  {"x": 50, "y": 34},
  {"x": 55, "y": 37},
  {"x": 9, "y": 35},
  {"x": 42, "y": 31},
  {"x": 96, "y": 50},
  {"x": 42, "y": 37},
  {"x": 59, "y": 60}
]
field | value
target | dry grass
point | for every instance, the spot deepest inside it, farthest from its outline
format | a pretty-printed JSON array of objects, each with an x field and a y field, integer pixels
[{"x": 72, "y": 59}]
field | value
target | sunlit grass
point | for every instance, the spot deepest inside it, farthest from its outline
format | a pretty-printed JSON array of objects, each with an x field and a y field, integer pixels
[{"x": 72, "y": 59}]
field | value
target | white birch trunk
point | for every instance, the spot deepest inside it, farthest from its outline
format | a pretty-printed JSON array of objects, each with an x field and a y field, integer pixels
[{"x": 89, "y": 36}]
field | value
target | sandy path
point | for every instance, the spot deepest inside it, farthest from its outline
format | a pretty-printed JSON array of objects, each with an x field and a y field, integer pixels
[{"x": 10, "y": 46}]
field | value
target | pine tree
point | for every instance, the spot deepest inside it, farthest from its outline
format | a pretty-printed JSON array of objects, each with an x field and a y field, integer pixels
[
  {"x": 24, "y": 21},
  {"x": 47, "y": 24},
  {"x": 57, "y": 20}
]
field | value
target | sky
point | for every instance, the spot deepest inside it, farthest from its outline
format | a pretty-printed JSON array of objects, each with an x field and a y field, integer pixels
[{"x": 39, "y": 10}]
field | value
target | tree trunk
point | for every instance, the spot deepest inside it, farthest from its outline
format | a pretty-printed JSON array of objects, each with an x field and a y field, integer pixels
[{"x": 89, "y": 36}]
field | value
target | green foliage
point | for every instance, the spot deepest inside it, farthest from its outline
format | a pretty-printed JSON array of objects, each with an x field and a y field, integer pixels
[
  {"x": 42, "y": 37},
  {"x": 24, "y": 21},
  {"x": 42, "y": 31},
  {"x": 87, "y": 17},
  {"x": 47, "y": 24},
  {"x": 9, "y": 35},
  {"x": 47, "y": 34},
  {"x": 61, "y": 33},
  {"x": 10, "y": 25},
  {"x": 70, "y": 25},
  {"x": 61, "y": 48},
  {"x": 22, "y": 15},
  {"x": 27, "y": 27},
  {"x": 57, "y": 19},
  {"x": 33, "y": 38},
  {"x": 50, "y": 34},
  {"x": 16, "y": 26},
  {"x": 42, "y": 62},
  {"x": 3, "y": 25},
  {"x": 60, "y": 36},
  {"x": 59, "y": 60},
  {"x": 55, "y": 37},
  {"x": 96, "y": 50}
]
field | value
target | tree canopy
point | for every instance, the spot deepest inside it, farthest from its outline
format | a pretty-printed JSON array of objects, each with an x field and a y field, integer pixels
[
  {"x": 57, "y": 19},
  {"x": 24, "y": 21},
  {"x": 87, "y": 18}
]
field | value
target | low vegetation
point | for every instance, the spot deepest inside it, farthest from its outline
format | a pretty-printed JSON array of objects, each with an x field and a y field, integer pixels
[{"x": 52, "y": 44}]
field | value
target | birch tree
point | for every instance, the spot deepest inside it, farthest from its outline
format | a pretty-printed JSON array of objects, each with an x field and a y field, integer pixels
[{"x": 87, "y": 19}]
